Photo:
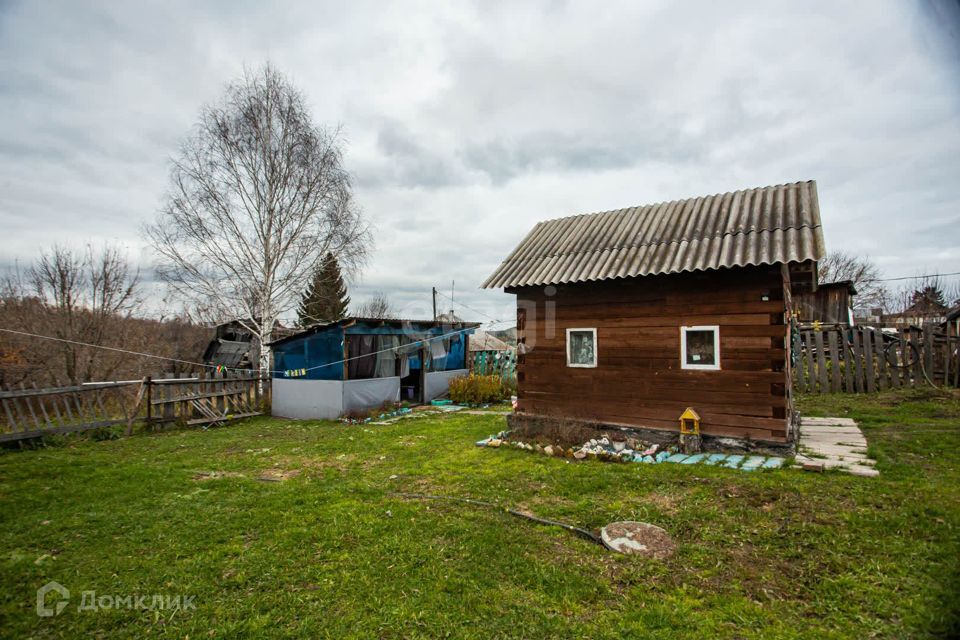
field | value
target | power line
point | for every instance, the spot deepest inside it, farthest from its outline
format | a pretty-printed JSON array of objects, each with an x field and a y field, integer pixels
[
  {"x": 928, "y": 275},
  {"x": 106, "y": 348}
]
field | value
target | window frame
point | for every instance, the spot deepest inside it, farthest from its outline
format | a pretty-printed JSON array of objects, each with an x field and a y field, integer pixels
[
  {"x": 715, "y": 328},
  {"x": 596, "y": 345}
]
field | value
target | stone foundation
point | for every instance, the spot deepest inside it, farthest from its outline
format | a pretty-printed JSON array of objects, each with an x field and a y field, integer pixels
[{"x": 553, "y": 428}]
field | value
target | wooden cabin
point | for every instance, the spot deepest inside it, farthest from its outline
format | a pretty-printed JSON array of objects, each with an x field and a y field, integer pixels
[{"x": 626, "y": 318}]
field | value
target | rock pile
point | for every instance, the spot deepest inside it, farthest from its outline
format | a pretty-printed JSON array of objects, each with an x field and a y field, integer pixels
[
  {"x": 633, "y": 450},
  {"x": 603, "y": 448}
]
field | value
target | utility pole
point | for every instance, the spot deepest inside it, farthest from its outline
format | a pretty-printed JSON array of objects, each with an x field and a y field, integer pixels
[{"x": 434, "y": 291}]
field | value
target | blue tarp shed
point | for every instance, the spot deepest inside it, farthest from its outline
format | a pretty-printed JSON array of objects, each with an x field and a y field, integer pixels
[{"x": 367, "y": 362}]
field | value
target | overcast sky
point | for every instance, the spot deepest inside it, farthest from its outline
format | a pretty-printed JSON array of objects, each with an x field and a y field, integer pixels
[{"x": 469, "y": 122}]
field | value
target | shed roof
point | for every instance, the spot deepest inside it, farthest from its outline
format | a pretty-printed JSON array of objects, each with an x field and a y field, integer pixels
[
  {"x": 229, "y": 353},
  {"x": 768, "y": 225},
  {"x": 401, "y": 324},
  {"x": 483, "y": 341}
]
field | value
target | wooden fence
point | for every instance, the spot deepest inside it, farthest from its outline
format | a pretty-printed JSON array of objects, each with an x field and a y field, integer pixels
[
  {"x": 867, "y": 360},
  {"x": 190, "y": 400}
]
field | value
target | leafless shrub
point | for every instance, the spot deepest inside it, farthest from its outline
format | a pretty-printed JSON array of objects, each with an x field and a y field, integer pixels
[{"x": 378, "y": 306}]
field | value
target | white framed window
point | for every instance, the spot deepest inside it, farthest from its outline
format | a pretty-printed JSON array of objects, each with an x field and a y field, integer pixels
[
  {"x": 700, "y": 347},
  {"x": 582, "y": 348}
]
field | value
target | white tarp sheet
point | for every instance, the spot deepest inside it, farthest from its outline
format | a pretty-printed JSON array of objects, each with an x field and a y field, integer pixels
[
  {"x": 307, "y": 399},
  {"x": 330, "y": 399},
  {"x": 370, "y": 393},
  {"x": 438, "y": 383}
]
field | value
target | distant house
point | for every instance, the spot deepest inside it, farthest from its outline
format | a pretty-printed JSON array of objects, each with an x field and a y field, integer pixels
[
  {"x": 483, "y": 341},
  {"x": 829, "y": 304},
  {"x": 357, "y": 364},
  {"x": 506, "y": 331},
  {"x": 233, "y": 346},
  {"x": 491, "y": 355},
  {"x": 951, "y": 322},
  {"x": 449, "y": 316},
  {"x": 869, "y": 316},
  {"x": 625, "y": 318},
  {"x": 918, "y": 314}
]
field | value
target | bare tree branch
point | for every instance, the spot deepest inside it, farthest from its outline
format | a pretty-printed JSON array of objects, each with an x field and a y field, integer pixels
[
  {"x": 378, "y": 306},
  {"x": 838, "y": 266}
]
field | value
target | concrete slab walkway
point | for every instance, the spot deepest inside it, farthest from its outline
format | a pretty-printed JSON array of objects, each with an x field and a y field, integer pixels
[{"x": 834, "y": 443}]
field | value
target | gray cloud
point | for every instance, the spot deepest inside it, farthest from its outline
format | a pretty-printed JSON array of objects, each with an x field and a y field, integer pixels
[{"x": 468, "y": 122}]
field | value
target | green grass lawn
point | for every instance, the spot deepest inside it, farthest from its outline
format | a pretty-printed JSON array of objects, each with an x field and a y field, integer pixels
[{"x": 331, "y": 553}]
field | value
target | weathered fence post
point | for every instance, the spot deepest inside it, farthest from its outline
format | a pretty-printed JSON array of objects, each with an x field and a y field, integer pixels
[
  {"x": 135, "y": 407},
  {"x": 881, "y": 365},
  {"x": 835, "y": 373},
  {"x": 868, "y": 360},
  {"x": 148, "y": 382},
  {"x": 821, "y": 362}
]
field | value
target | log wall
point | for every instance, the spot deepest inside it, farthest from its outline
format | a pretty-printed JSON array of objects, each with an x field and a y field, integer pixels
[{"x": 638, "y": 380}]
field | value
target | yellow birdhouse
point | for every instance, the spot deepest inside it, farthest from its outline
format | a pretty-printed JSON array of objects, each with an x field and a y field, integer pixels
[{"x": 690, "y": 423}]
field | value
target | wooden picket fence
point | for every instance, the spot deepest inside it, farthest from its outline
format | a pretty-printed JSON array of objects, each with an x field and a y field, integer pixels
[
  {"x": 501, "y": 363},
  {"x": 867, "y": 360},
  {"x": 191, "y": 400}
]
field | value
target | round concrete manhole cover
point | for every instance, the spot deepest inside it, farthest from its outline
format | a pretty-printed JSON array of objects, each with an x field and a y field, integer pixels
[{"x": 638, "y": 538}]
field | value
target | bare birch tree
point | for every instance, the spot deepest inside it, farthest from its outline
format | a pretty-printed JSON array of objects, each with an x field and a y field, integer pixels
[{"x": 258, "y": 198}]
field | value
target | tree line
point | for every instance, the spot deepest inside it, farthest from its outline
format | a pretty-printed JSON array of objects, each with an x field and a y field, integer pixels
[
  {"x": 88, "y": 297},
  {"x": 258, "y": 204},
  {"x": 95, "y": 297},
  {"x": 926, "y": 294}
]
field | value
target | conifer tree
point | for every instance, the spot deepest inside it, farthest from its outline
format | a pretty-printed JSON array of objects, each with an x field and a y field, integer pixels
[{"x": 325, "y": 299}]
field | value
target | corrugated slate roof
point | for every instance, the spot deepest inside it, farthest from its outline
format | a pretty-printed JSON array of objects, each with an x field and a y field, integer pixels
[
  {"x": 397, "y": 322},
  {"x": 768, "y": 225},
  {"x": 483, "y": 341}
]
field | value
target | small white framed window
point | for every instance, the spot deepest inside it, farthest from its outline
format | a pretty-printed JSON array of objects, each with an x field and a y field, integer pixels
[
  {"x": 582, "y": 348},
  {"x": 700, "y": 347}
]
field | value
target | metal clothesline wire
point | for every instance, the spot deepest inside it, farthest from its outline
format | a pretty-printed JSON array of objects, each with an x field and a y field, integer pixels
[{"x": 213, "y": 366}]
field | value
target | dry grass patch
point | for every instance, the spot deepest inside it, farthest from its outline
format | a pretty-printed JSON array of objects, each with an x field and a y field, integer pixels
[
  {"x": 216, "y": 475},
  {"x": 278, "y": 475}
]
